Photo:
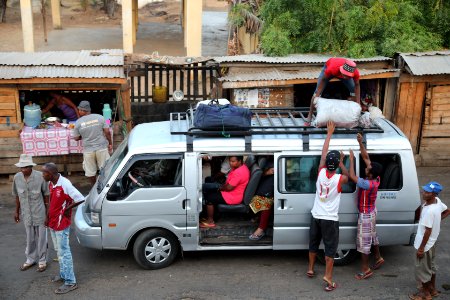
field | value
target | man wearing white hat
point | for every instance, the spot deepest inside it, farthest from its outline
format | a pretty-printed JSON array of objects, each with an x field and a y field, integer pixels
[{"x": 32, "y": 196}]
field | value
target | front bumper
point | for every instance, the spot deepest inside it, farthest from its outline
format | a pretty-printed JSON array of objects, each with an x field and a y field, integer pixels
[{"x": 87, "y": 236}]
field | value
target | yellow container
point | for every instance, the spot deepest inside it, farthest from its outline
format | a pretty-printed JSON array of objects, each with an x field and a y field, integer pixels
[{"x": 160, "y": 94}]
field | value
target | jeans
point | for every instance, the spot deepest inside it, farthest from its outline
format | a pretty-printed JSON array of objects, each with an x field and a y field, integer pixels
[
  {"x": 64, "y": 255},
  {"x": 349, "y": 83}
]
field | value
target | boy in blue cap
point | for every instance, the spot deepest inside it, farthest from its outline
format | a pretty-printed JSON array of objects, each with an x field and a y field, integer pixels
[{"x": 432, "y": 212}]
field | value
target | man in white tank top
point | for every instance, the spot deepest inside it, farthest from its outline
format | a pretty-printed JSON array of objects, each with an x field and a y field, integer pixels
[{"x": 325, "y": 222}]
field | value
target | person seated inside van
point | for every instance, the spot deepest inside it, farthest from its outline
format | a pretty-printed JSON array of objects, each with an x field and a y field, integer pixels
[
  {"x": 231, "y": 192},
  {"x": 263, "y": 201}
]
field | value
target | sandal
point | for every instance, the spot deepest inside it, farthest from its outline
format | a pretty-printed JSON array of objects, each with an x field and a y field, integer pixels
[
  {"x": 41, "y": 268},
  {"x": 207, "y": 225},
  {"x": 435, "y": 293},
  {"x": 256, "y": 237},
  {"x": 65, "y": 288},
  {"x": 364, "y": 275},
  {"x": 311, "y": 274},
  {"x": 419, "y": 296},
  {"x": 330, "y": 287},
  {"x": 26, "y": 266},
  {"x": 378, "y": 264}
]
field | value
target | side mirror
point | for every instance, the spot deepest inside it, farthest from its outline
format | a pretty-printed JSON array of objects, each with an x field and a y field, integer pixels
[{"x": 115, "y": 192}]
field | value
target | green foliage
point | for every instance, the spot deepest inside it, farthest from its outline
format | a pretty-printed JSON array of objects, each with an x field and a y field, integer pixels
[
  {"x": 236, "y": 17},
  {"x": 356, "y": 28}
]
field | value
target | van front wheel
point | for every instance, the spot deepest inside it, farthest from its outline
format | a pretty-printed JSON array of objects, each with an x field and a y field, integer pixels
[{"x": 155, "y": 249}]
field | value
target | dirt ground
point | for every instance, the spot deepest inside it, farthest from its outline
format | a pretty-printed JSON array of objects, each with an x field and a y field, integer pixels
[{"x": 93, "y": 29}]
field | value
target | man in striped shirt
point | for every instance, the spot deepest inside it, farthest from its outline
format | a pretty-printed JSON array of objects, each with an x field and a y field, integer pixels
[{"x": 367, "y": 195}]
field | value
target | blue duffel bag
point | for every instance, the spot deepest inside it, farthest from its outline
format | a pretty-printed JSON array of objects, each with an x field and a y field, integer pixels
[{"x": 220, "y": 117}]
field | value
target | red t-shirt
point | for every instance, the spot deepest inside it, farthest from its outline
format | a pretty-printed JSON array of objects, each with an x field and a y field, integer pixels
[
  {"x": 238, "y": 178},
  {"x": 62, "y": 194},
  {"x": 333, "y": 65}
]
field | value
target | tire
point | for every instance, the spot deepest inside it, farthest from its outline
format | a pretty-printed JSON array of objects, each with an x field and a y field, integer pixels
[
  {"x": 342, "y": 257},
  {"x": 155, "y": 249}
]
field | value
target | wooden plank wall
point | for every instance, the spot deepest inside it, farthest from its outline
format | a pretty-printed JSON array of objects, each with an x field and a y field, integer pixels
[
  {"x": 409, "y": 109},
  {"x": 11, "y": 148},
  {"x": 435, "y": 141},
  {"x": 9, "y": 106}
]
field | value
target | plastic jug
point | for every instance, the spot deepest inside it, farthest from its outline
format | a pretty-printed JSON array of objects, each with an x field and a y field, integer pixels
[
  {"x": 106, "y": 111},
  {"x": 32, "y": 115}
]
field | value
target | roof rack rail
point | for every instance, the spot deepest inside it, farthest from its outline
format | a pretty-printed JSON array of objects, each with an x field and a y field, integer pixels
[{"x": 265, "y": 121}]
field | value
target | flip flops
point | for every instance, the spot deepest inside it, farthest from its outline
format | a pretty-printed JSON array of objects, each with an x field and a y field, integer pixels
[
  {"x": 57, "y": 279},
  {"x": 378, "y": 264},
  {"x": 420, "y": 296},
  {"x": 65, "y": 288},
  {"x": 207, "y": 225},
  {"x": 41, "y": 268},
  {"x": 26, "y": 266},
  {"x": 311, "y": 274},
  {"x": 256, "y": 237},
  {"x": 330, "y": 287},
  {"x": 364, "y": 275}
]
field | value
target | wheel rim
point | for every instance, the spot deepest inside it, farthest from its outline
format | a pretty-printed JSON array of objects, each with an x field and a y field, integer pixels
[
  {"x": 157, "y": 250},
  {"x": 341, "y": 254}
]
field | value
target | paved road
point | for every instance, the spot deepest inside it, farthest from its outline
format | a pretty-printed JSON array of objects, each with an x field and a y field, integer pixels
[{"x": 212, "y": 275}]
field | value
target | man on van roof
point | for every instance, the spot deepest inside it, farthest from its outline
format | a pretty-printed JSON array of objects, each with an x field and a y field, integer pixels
[
  {"x": 432, "y": 212},
  {"x": 366, "y": 234},
  {"x": 324, "y": 222}
]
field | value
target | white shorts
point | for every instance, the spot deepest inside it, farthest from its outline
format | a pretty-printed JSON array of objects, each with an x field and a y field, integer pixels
[{"x": 93, "y": 161}]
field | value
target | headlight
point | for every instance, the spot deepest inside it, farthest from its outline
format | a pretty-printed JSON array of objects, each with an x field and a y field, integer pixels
[{"x": 95, "y": 218}]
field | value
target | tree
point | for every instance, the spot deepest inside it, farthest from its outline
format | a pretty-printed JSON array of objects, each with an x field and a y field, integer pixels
[{"x": 356, "y": 28}]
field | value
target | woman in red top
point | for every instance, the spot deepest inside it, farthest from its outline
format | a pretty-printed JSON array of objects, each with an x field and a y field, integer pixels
[
  {"x": 343, "y": 69},
  {"x": 231, "y": 193}
]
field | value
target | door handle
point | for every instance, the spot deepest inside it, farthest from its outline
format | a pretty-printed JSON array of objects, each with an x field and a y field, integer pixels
[
  {"x": 184, "y": 203},
  {"x": 282, "y": 202}
]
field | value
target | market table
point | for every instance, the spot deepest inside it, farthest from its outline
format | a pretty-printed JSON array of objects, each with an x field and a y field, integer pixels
[{"x": 50, "y": 141}]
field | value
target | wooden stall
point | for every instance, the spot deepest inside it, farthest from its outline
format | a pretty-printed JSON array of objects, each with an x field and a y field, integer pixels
[
  {"x": 291, "y": 80},
  {"x": 423, "y": 106},
  {"x": 97, "y": 76}
]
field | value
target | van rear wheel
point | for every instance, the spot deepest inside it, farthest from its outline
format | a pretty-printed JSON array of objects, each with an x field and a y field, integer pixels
[
  {"x": 342, "y": 257},
  {"x": 155, "y": 249}
]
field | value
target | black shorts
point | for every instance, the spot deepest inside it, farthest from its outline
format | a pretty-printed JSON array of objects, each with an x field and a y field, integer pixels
[
  {"x": 211, "y": 194},
  {"x": 325, "y": 230}
]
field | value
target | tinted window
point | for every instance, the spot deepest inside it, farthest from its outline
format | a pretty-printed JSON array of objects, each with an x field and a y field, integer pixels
[
  {"x": 391, "y": 175},
  {"x": 301, "y": 174}
]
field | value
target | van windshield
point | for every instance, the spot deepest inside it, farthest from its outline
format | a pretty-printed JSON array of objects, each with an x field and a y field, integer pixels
[{"x": 112, "y": 164}]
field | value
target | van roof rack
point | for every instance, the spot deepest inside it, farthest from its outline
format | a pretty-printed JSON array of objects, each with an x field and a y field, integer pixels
[{"x": 268, "y": 121}]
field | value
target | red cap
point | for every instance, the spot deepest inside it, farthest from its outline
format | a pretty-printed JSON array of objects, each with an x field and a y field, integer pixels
[{"x": 348, "y": 69}]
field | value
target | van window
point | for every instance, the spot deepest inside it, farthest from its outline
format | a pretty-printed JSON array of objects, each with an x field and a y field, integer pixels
[
  {"x": 391, "y": 176},
  {"x": 301, "y": 174},
  {"x": 148, "y": 173}
]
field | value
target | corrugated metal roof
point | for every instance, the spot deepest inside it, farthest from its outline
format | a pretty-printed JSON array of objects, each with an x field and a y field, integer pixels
[
  {"x": 20, "y": 72},
  {"x": 290, "y": 59},
  {"x": 102, "y": 57},
  {"x": 427, "y": 63},
  {"x": 104, "y": 63},
  {"x": 276, "y": 74}
]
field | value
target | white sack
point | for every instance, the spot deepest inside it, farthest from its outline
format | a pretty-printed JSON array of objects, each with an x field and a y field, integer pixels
[
  {"x": 375, "y": 112},
  {"x": 342, "y": 112},
  {"x": 221, "y": 102},
  {"x": 365, "y": 121}
]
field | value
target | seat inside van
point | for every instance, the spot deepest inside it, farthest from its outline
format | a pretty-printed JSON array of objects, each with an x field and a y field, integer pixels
[{"x": 255, "y": 176}]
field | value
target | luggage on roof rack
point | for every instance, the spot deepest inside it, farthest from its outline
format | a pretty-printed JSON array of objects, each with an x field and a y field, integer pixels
[{"x": 265, "y": 121}]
